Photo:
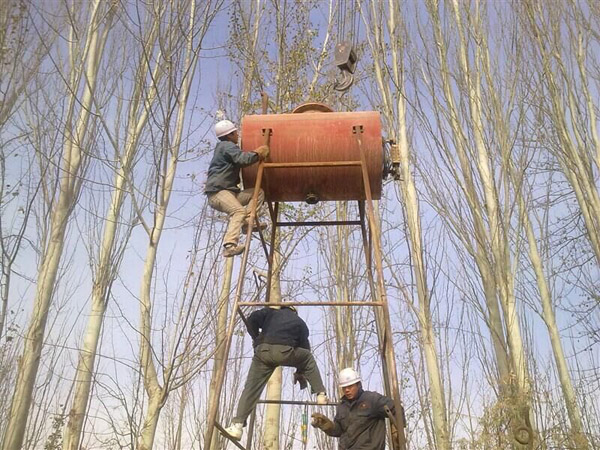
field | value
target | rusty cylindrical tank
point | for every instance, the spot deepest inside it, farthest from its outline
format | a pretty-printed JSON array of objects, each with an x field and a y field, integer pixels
[{"x": 315, "y": 136}]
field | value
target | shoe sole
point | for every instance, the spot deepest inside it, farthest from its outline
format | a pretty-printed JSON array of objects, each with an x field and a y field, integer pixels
[{"x": 233, "y": 253}]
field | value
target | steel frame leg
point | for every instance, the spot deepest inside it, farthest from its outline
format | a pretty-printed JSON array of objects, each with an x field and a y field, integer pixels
[{"x": 388, "y": 354}]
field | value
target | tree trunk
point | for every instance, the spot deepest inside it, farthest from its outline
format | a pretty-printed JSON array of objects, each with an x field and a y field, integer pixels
[
  {"x": 148, "y": 430},
  {"x": 273, "y": 410},
  {"x": 222, "y": 308},
  {"x": 69, "y": 190},
  {"x": 108, "y": 262},
  {"x": 169, "y": 157},
  {"x": 579, "y": 438},
  {"x": 344, "y": 324}
]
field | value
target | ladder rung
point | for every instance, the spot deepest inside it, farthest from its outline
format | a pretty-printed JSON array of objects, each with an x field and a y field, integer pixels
[
  {"x": 313, "y": 164},
  {"x": 315, "y": 223},
  {"x": 296, "y": 402},
  {"x": 311, "y": 304}
]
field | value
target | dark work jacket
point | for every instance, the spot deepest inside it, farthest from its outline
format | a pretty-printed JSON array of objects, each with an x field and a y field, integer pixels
[
  {"x": 360, "y": 424},
  {"x": 278, "y": 326},
  {"x": 224, "y": 169}
]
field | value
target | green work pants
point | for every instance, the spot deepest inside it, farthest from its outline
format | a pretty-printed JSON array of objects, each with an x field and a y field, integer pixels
[{"x": 267, "y": 357}]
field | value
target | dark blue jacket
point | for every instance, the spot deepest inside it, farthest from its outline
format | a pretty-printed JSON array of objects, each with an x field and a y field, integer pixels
[
  {"x": 278, "y": 326},
  {"x": 360, "y": 424},
  {"x": 224, "y": 169}
]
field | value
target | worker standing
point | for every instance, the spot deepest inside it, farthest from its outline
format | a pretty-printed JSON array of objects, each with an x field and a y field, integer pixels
[
  {"x": 282, "y": 341},
  {"x": 360, "y": 417},
  {"x": 222, "y": 185}
]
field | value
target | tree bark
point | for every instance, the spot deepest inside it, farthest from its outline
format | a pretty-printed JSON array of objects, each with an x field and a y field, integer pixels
[
  {"x": 273, "y": 410},
  {"x": 222, "y": 308}
]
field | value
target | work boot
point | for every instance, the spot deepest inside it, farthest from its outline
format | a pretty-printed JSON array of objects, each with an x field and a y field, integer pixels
[
  {"x": 232, "y": 250},
  {"x": 235, "y": 430},
  {"x": 322, "y": 398},
  {"x": 255, "y": 228}
]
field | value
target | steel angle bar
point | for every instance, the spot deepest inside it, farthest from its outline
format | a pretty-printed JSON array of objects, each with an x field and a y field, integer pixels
[
  {"x": 312, "y": 164},
  {"x": 296, "y": 402},
  {"x": 318, "y": 223},
  {"x": 360, "y": 303},
  {"x": 388, "y": 356}
]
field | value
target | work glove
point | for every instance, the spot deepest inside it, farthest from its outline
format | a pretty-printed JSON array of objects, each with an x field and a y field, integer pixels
[
  {"x": 262, "y": 152},
  {"x": 300, "y": 378},
  {"x": 318, "y": 420}
]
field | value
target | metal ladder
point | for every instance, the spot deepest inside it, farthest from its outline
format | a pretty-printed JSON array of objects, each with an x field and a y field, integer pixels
[{"x": 371, "y": 235}]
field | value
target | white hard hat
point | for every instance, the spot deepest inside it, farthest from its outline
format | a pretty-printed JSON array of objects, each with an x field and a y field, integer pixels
[
  {"x": 348, "y": 377},
  {"x": 224, "y": 127}
]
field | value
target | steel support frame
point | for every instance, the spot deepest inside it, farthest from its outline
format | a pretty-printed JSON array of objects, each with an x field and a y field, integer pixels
[
  {"x": 382, "y": 314},
  {"x": 371, "y": 234}
]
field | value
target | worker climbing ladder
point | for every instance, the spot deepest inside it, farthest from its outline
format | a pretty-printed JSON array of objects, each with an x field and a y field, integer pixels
[{"x": 359, "y": 162}]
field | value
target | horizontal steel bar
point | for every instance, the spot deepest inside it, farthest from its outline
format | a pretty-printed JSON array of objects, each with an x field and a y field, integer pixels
[
  {"x": 311, "y": 304},
  {"x": 295, "y": 402},
  {"x": 312, "y": 164},
  {"x": 315, "y": 223}
]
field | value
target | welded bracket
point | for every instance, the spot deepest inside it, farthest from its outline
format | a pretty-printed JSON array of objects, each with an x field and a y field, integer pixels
[{"x": 391, "y": 160}]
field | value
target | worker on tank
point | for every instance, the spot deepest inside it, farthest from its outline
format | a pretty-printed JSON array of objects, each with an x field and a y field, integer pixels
[
  {"x": 280, "y": 338},
  {"x": 360, "y": 417},
  {"x": 222, "y": 185}
]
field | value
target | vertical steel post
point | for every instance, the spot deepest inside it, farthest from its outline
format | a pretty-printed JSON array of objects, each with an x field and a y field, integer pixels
[
  {"x": 368, "y": 249},
  {"x": 251, "y": 429},
  {"x": 274, "y": 218},
  {"x": 392, "y": 372}
]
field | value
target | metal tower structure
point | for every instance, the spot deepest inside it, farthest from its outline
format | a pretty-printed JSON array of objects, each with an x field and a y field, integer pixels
[{"x": 371, "y": 237}]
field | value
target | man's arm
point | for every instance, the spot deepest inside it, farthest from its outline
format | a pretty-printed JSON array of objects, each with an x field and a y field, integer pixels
[
  {"x": 255, "y": 322},
  {"x": 381, "y": 403},
  {"x": 240, "y": 158},
  {"x": 304, "y": 343},
  {"x": 327, "y": 426},
  {"x": 337, "y": 428}
]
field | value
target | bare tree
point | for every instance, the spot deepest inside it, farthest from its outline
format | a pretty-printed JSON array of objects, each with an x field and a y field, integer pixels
[
  {"x": 110, "y": 250},
  {"x": 515, "y": 167},
  {"x": 562, "y": 37},
  {"x": 81, "y": 84},
  {"x": 182, "y": 47},
  {"x": 466, "y": 157},
  {"x": 23, "y": 48},
  {"x": 389, "y": 76}
]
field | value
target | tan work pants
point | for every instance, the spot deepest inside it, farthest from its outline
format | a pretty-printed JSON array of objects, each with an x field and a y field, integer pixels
[{"x": 235, "y": 205}]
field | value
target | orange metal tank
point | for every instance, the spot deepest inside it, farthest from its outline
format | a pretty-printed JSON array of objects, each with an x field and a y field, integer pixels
[{"x": 315, "y": 136}]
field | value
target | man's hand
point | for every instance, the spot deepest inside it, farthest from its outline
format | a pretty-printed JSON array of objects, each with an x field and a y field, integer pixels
[
  {"x": 322, "y": 422},
  {"x": 262, "y": 152},
  {"x": 300, "y": 378}
]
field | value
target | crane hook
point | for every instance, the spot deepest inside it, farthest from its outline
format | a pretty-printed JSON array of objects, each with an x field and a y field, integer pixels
[{"x": 345, "y": 59}]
